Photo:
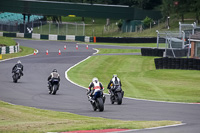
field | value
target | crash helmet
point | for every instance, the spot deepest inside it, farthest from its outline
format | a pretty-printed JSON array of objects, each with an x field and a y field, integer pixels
[
  {"x": 114, "y": 75},
  {"x": 18, "y": 62},
  {"x": 54, "y": 70},
  {"x": 95, "y": 79}
]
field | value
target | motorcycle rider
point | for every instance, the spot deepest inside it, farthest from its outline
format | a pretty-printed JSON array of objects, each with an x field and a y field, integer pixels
[
  {"x": 114, "y": 82},
  {"x": 53, "y": 75},
  {"x": 96, "y": 85},
  {"x": 18, "y": 66}
]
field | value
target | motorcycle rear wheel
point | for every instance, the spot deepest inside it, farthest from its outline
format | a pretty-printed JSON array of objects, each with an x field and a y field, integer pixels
[{"x": 54, "y": 89}]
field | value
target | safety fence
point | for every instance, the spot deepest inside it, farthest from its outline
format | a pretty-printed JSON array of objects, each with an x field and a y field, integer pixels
[
  {"x": 46, "y": 27},
  {"x": 9, "y": 49}
]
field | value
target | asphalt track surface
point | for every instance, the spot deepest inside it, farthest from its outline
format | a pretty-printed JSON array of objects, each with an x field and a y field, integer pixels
[{"x": 31, "y": 90}]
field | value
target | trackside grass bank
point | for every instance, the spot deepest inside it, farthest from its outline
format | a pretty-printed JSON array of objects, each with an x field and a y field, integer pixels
[
  {"x": 139, "y": 77},
  {"x": 6, "y": 41},
  {"x": 20, "y": 119}
]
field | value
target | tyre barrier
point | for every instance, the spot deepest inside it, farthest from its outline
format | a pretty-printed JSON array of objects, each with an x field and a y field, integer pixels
[
  {"x": 126, "y": 39},
  {"x": 152, "y": 52},
  {"x": 159, "y": 52},
  {"x": 177, "y": 63}
]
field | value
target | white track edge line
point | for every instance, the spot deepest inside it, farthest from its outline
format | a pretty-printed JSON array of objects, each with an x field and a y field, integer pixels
[{"x": 153, "y": 128}]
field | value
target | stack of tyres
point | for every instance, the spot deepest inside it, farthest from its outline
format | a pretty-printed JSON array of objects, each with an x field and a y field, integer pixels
[
  {"x": 195, "y": 62},
  {"x": 156, "y": 61},
  {"x": 165, "y": 63},
  {"x": 190, "y": 64},
  {"x": 155, "y": 52},
  {"x": 143, "y": 51},
  {"x": 177, "y": 63},
  {"x": 170, "y": 63},
  {"x": 185, "y": 64},
  {"x": 173, "y": 63},
  {"x": 161, "y": 63},
  {"x": 198, "y": 64},
  {"x": 182, "y": 63},
  {"x": 160, "y": 52}
]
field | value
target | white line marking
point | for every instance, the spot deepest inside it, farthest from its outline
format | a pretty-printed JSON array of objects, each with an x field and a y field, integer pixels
[{"x": 153, "y": 128}]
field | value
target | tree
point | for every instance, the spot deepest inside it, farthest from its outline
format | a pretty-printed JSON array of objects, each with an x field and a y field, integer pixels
[
  {"x": 181, "y": 7},
  {"x": 147, "y": 21},
  {"x": 166, "y": 8},
  {"x": 195, "y": 4}
]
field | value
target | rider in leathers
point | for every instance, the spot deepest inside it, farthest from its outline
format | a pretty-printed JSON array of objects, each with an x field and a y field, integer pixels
[
  {"x": 114, "y": 82},
  {"x": 53, "y": 75},
  {"x": 96, "y": 85},
  {"x": 18, "y": 66}
]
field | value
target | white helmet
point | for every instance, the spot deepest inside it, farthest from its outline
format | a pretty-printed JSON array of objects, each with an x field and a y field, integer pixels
[
  {"x": 18, "y": 62},
  {"x": 95, "y": 79},
  {"x": 114, "y": 75}
]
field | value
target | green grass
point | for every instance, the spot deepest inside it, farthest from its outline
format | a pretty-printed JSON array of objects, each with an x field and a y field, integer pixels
[
  {"x": 139, "y": 77},
  {"x": 7, "y": 41},
  {"x": 106, "y": 51},
  {"x": 20, "y": 119}
]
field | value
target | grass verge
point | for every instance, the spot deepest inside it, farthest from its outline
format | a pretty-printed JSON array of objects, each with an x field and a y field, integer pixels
[
  {"x": 20, "y": 119},
  {"x": 139, "y": 78},
  {"x": 7, "y": 41},
  {"x": 111, "y": 51}
]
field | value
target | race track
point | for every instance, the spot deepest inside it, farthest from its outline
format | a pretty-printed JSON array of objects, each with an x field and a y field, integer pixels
[{"x": 32, "y": 89}]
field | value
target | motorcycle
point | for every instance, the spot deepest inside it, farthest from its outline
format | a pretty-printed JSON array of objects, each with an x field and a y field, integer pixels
[
  {"x": 98, "y": 102},
  {"x": 17, "y": 74},
  {"x": 54, "y": 86},
  {"x": 116, "y": 95}
]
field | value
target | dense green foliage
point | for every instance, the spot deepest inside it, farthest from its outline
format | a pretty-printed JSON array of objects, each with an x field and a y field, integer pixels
[
  {"x": 144, "y": 4},
  {"x": 180, "y": 7}
]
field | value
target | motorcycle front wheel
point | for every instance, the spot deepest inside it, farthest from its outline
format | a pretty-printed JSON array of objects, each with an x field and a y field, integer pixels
[
  {"x": 119, "y": 98},
  {"x": 100, "y": 104}
]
